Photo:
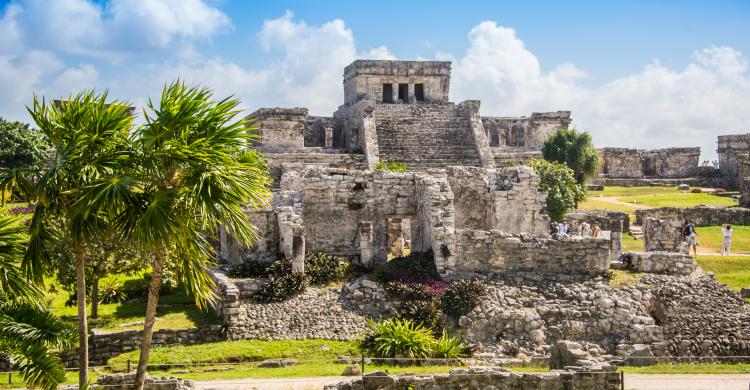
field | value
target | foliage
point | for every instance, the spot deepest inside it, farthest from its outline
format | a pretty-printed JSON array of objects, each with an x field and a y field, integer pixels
[
  {"x": 415, "y": 267},
  {"x": 390, "y": 166},
  {"x": 410, "y": 291},
  {"x": 462, "y": 296},
  {"x": 249, "y": 269},
  {"x": 281, "y": 284},
  {"x": 449, "y": 347},
  {"x": 23, "y": 153},
  {"x": 563, "y": 193},
  {"x": 574, "y": 149},
  {"x": 324, "y": 269},
  {"x": 427, "y": 313},
  {"x": 397, "y": 338},
  {"x": 110, "y": 291}
]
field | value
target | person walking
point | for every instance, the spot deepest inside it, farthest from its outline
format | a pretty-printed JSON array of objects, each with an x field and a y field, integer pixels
[
  {"x": 726, "y": 243},
  {"x": 691, "y": 236}
]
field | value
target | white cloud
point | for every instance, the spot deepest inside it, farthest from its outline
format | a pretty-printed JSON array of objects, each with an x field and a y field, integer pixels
[
  {"x": 656, "y": 107},
  {"x": 117, "y": 28}
]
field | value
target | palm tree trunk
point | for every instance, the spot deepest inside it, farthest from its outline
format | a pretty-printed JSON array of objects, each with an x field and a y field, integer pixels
[
  {"x": 83, "y": 347},
  {"x": 148, "y": 323},
  {"x": 95, "y": 297}
]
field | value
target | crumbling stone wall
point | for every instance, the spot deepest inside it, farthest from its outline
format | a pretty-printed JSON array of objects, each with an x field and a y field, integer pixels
[
  {"x": 662, "y": 235},
  {"x": 701, "y": 215},
  {"x": 482, "y": 252},
  {"x": 280, "y": 129},
  {"x": 319, "y": 131},
  {"x": 486, "y": 378},
  {"x": 663, "y": 262},
  {"x": 729, "y": 147},
  {"x": 743, "y": 178},
  {"x": 525, "y": 132},
  {"x": 279, "y": 163},
  {"x": 519, "y": 205},
  {"x": 607, "y": 220},
  {"x": 637, "y": 163}
]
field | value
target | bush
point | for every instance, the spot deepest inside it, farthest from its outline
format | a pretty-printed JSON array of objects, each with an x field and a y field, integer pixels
[
  {"x": 462, "y": 296},
  {"x": 390, "y": 166},
  {"x": 397, "y": 338},
  {"x": 449, "y": 347},
  {"x": 281, "y": 284},
  {"x": 426, "y": 313},
  {"x": 111, "y": 291},
  {"x": 324, "y": 269},
  {"x": 433, "y": 289},
  {"x": 559, "y": 182},
  {"x": 169, "y": 281},
  {"x": 249, "y": 269},
  {"x": 417, "y": 267}
]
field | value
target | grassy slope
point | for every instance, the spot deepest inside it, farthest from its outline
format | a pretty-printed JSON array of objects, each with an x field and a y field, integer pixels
[
  {"x": 680, "y": 200},
  {"x": 591, "y": 203},
  {"x": 712, "y": 236},
  {"x": 734, "y": 271},
  {"x": 650, "y": 196},
  {"x": 631, "y": 244},
  {"x": 177, "y": 310}
]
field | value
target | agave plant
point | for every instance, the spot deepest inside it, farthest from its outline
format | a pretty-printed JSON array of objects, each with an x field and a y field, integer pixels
[
  {"x": 396, "y": 338},
  {"x": 448, "y": 347}
]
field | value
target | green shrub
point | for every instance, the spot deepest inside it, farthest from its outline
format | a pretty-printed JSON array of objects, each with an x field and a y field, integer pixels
[
  {"x": 449, "y": 347},
  {"x": 390, "y": 166},
  {"x": 249, "y": 269},
  {"x": 397, "y": 338},
  {"x": 169, "y": 281},
  {"x": 462, "y": 296},
  {"x": 559, "y": 182},
  {"x": 281, "y": 284},
  {"x": 325, "y": 269},
  {"x": 111, "y": 291},
  {"x": 426, "y": 313}
]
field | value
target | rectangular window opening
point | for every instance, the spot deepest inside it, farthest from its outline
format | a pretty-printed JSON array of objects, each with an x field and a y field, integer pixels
[
  {"x": 403, "y": 93},
  {"x": 419, "y": 92},
  {"x": 387, "y": 93}
]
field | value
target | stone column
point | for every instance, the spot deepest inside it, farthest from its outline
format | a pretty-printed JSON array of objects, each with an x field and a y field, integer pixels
[
  {"x": 366, "y": 250},
  {"x": 615, "y": 241},
  {"x": 298, "y": 249}
]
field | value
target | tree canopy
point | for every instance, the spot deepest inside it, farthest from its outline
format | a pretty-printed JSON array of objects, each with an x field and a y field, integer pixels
[
  {"x": 21, "y": 145},
  {"x": 574, "y": 149},
  {"x": 558, "y": 181}
]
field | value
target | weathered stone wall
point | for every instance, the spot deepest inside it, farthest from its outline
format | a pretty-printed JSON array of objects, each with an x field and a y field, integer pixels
[
  {"x": 486, "y": 378},
  {"x": 662, "y": 235},
  {"x": 278, "y": 163},
  {"x": 729, "y": 146},
  {"x": 104, "y": 346},
  {"x": 743, "y": 178},
  {"x": 701, "y": 215},
  {"x": 280, "y": 129},
  {"x": 127, "y": 382},
  {"x": 637, "y": 163},
  {"x": 481, "y": 252},
  {"x": 607, "y": 220},
  {"x": 319, "y": 131},
  {"x": 702, "y": 181},
  {"x": 661, "y": 262},
  {"x": 524, "y": 132},
  {"x": 519, "y": 205},
  {"x": 364, "y": 79}
]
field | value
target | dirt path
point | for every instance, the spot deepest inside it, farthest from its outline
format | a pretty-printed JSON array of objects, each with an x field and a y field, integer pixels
[
  {"x": 632, "y": 381},
  {"x": 687, "y": 382}
]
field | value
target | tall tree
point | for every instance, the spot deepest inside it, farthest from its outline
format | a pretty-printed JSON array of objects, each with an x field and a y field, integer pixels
[
  {"x": 89, "y": 136},
  {"x": 23, "y": 153},
  {"x": 191, "y": 171},
  {"x": 574, "y": 149},
  {"x": 29, "y": 334}
]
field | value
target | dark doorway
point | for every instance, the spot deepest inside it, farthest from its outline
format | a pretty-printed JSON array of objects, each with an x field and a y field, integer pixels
[
  {"x": 494, "y": 137},
  {"x": 419, "y": 92},
  {"x": 403, "y": 93},
  {"x": 387, "y": 93}
]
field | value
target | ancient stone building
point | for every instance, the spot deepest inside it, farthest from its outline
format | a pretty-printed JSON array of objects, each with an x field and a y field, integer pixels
[
  {"x": 729, "y": 148},
  {"x": 657, "y": 163},
  {"x": 399, "y": 111}
]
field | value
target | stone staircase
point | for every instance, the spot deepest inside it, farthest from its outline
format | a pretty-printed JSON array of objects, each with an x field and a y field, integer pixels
[
  {"x": 424, "y": 136},
  {"x": 636, "y": 231}
]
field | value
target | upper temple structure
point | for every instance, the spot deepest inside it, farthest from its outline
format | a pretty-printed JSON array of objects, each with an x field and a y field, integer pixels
[{"x": 399, "y": 111}]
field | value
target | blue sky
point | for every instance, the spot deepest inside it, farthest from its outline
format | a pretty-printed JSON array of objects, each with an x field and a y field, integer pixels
[{"x": 634, "y": 73}]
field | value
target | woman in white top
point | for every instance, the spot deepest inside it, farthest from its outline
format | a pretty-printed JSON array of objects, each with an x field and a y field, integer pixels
[{"x": 726, "y": 244}]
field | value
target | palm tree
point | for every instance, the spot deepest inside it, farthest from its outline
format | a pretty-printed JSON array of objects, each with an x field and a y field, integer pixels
[
  {"x": 190, "y": 172},
  {"x": 28, "y": 332},
  {"x": 574, "y": 149},
  {"x": 89, "y": 137}
]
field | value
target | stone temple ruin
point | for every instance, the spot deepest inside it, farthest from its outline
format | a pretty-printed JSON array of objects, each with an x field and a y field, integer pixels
[{"x": 478, "y": 217}]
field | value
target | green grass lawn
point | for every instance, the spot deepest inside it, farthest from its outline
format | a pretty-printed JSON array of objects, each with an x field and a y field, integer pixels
[
  {"x": 631, "y": 244},
  {"x": 734, "y": 271},
  {"x": 176, "y": 310},
  {"x": 679, "y": 200},
  {"x": 630, "y": 191},
  {"x": 591, "y": 203},
  {"x": 712, "y": 236},
  {"x": 689, "y": 368}
]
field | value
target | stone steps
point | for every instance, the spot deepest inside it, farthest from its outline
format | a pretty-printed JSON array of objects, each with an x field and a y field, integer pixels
[
  {"x": 425, "y": 136},
  {"x": 636, "y": 231}
]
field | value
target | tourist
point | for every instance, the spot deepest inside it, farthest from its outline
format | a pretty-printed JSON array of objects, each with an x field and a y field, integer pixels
[
  {"x": 726, "y": 243},
  {"x": 596, "y": 231},
  {"x": 691, "y": 236},
  {"x": 585, "y": 229}
]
